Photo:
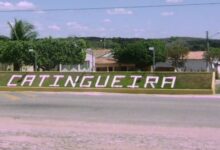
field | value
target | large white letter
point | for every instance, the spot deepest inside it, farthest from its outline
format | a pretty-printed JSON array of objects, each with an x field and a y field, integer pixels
[
  {"x": 135, "y": 78},
  {"x": 98, "y": 81},
  {"x": 151, "y": 80},
  {"x": 115, "y": 80},
  {"x": 58, "y": 77},
  {"x": 28, "y": 79},
  {"x": 9, "y": 84},
  {"x": 89, "y": 82},
  {"x": 70, "y": 80},
  {"x": 168, "y": 80},
  {"x": 43, "y": 77}
]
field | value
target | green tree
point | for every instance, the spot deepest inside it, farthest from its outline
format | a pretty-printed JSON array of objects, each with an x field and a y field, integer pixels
[
  {"x": 213, "y": 56},
  {"x": 160, "y": 49},
  {"x": 138, "y": 53},
  {"x": 134, "y": 53},
  {"x": 15, "y": 52},
  {"x": 22, "y": 30},
  {"x": 52, "y": 52},
  {"x": 176, "y": 52}
]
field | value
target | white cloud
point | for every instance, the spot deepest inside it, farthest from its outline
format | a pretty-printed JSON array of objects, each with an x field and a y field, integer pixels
[
  {"x": 167, "y": 13},
  {"x": 6, "y": 6},
  {"x": 107, "y": 20},
  {"x": 21, "y": 5},
  {"x": 174, "y": 1},
  {"x": 25, "y": 5},
  {"x": 54, "y": 27},
  {"x": 77, "y": 26},
  {"x": 119, "y": 11}
]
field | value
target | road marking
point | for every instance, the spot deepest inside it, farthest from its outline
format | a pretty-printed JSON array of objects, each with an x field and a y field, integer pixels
[{"x": 11, "y": 97}]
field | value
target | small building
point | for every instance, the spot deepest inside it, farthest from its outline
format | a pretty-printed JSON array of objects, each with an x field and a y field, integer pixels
[{"x": 196, "y": 62}]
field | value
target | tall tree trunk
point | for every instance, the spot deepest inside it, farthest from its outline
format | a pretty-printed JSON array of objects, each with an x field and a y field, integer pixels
[{"x": 17, "y": 67}]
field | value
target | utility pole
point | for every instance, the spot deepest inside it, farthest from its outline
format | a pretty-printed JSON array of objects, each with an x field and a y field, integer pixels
[
  {"x": 35, "y": 58},
  {"x": 207, "y": 46},
  {"x": 207, "y": 40}
]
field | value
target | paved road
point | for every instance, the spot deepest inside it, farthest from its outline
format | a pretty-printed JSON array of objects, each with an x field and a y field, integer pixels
[{"x": 69, "y": 121}]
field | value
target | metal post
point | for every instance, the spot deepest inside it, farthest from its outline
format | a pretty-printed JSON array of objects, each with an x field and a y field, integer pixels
[
  {"x": 104, "y": 43},
  {"x": 207, "y": 40},
  {"x": 154, "y": 60},
  {"x": 152, "y": 49},
  {"x": 92, "y": 60},
  {"x": 35, "y": 61},
  {"x": 35, "y": 58}
]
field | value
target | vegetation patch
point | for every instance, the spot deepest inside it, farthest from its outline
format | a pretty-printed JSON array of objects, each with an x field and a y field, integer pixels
[
  {"x": 120, "y": 82},
  {"x": 218, "y": 89}
]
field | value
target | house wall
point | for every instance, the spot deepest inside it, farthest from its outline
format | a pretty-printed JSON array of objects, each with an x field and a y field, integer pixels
[
  {"x": 196, "y": 66},
  {"x": 6, "y": 67},
  {"x": 218, "y": 69}
]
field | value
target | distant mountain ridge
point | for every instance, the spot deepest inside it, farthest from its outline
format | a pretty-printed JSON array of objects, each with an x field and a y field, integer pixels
[{"x": 193, "y": 43}]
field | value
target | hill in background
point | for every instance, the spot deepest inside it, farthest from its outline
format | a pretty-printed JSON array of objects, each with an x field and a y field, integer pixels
[{"x": 194, "y": 44}]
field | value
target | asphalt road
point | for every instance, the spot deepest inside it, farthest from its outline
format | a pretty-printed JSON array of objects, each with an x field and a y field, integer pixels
[
  {"x": 117, "y": 108},
  {"x": 108, "y": 121}
]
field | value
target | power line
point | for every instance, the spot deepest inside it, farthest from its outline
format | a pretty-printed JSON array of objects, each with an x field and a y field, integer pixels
[{"x": 115, "y": 7}]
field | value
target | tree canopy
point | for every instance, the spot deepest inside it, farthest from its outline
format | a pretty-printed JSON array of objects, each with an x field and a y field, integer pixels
[
  {"x": 52, "y": 52},
  {"x": 15, "y": 52},
  {"x": 49, "y": 52},
  {"x": 176, "y": 52},
  {"x": 138, "y": 53}
]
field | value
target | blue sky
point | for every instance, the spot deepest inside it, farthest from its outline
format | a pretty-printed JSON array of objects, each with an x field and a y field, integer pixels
[{"x": 145, "y": 23}]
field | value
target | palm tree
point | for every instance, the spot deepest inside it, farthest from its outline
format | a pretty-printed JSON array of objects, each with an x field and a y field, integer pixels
[{"x": 22, "y": 30}]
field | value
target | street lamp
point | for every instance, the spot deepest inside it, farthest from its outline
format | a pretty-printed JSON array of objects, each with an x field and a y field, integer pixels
[
  {"x": 35, "y": 58},
  {"x": 153, "y": 49}
]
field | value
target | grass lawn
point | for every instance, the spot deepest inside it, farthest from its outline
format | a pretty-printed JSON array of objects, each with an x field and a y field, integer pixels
[
  {"x": 185, "y": 83},
  {"x": 218, "y": 89}
]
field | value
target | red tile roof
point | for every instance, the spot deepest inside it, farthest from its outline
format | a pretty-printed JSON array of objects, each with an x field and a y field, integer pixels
[
  {"x": 105, "y": 61},
  {"x": 195, "y": 55},
  {"x": 101, "y": 52}
]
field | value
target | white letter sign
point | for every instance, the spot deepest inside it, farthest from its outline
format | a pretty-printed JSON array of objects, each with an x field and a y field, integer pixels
[
  {"x": 135, "y": 78},
  {"x": 116, "y": 80},
  {"x": 58, "y": 77},
  {"x": 89, "y": 82},
  {"x": 28, "y": 79},
  {"x": 11, "y": 79},
  {"x": 98, "y": 81},
  {"x": 43, "y": 77},
  {"x": 70, "y": 80},
  {"x": 152, "y": 80},
  {"x": 168, "y": 80}
]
